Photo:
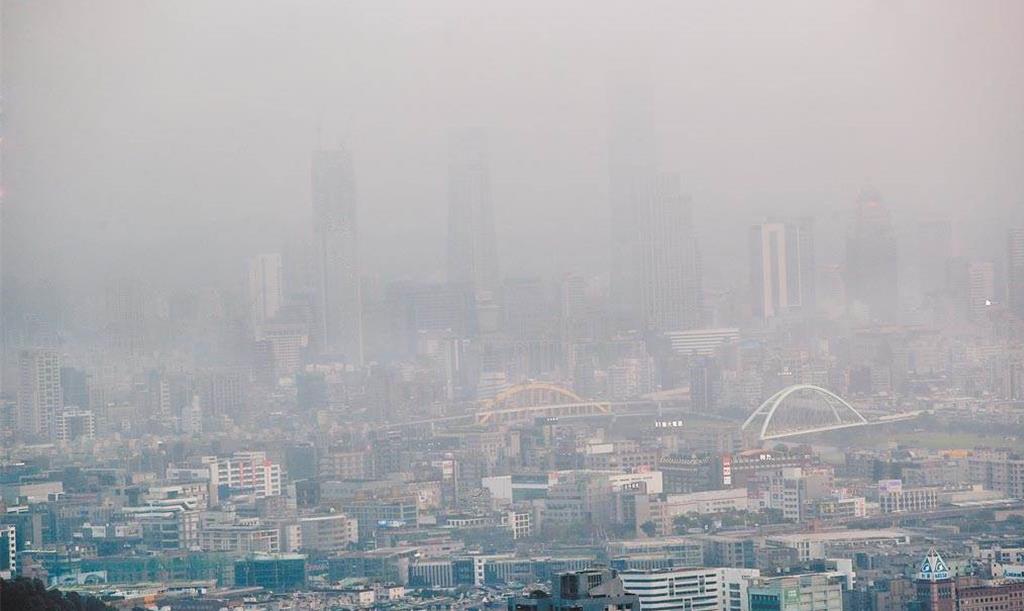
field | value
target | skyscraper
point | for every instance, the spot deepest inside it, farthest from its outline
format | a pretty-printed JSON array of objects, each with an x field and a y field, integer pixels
[
  {"x": 339, "y": 328},
  {"x": 631, "y": 166},
  {"x": 705, "y": 384},
  {"x": 472, "y": 248},
  {"x": 971, "y": 285},
  {"x": 981, "y": 279},
  {"x": 128, "y": 309},
  {"x": 782, "y": 267},
  {"x": 670, "y": 272},
  {"x": 934, "y": 249},
  {"x": 872, "y": 260},
  {"x": 1015, "y": 270},
  {"x": 40, "y": 398},
  {"x": 265, "y": 289}
]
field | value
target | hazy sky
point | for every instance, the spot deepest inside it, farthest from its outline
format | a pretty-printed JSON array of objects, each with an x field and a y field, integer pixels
[{"x": 176, "y": 135}]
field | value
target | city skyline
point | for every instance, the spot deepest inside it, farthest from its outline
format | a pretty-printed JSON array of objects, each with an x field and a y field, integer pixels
[
  {"x": 512, "y": 306},
  {"x": 537, "y": 182}
]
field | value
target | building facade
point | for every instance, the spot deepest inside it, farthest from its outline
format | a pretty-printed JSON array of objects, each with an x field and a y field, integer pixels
[
  {"x": 339, "y": 308},
  {"x": 671, "y": 289},
  {"x": 40, "y": 397},
  {"x": 782, "y": 267},
  {"x": 472, "y": 247}
]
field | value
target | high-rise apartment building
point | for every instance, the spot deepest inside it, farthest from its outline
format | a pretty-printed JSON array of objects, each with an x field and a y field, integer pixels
[
  {"x": 670, "y": 272},
  {"x": 472, "y": 247},
  {"x": 1015, "y": 270},
  {"x": 872, "y": 275},
  {"x": 224, "y": 391},
  {"x": 74, "y": 423},
  {"x": 265, "y": 289},
  {"x": 40, "y": 397},
  {"x": 339, "y": 311},
  {"x": 782, "y": 267},
  {"x": 8, "y": 550},
  {"x": 245, "y": 472}
]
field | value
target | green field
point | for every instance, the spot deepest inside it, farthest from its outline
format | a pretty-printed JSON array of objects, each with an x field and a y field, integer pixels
[
  {"x": 941, "y": 440},
  {"x": 905, "y": 435}
]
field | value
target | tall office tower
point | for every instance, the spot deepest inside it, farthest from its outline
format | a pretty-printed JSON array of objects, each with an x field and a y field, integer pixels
[
  {"x": 705, "y": 384},
  {"x": 430, "y": 310},
  {"x": 934, "y": 249},
  {"x": 631, "y": 166},
  {"x": 155, "y": 395},
  {"x": 575, "y": 309},
  {"x": 127, "y": 315},
  {"x": 971, "y": 285},
  {"x": 831, "y": 290},
  {"x": 670, "y": 272},
  {"x": 339, "y": 311},
  {"x": 40, "y": 398},
  {"x": 872, "y": 260},
  {"x": 472, "y": 248},
  {"x": 265, "y": 289},
  {"x": 981, "y": 288},
  {"x": 529, "y": 308},
  {"x": 782, "y": 267},
  {"x": 1015, "y": 271}
]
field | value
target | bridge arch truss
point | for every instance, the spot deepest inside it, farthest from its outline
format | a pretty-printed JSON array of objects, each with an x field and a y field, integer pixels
[{"x": 802, "y": 409}]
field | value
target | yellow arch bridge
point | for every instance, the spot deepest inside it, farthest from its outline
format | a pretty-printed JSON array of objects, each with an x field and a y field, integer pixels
[{"x": 523, "y": 403}]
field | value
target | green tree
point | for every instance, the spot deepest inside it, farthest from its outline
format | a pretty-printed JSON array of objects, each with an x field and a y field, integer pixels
[{"x": 31, "y": 595}]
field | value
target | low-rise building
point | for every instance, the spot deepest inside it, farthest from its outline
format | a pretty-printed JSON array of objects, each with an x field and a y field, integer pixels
[
  {"x": 694, "y": 589},
  {"x": 1000, "y": 470},
  {"x": 899, "y": 499},
  {"x": 816, "y": 545},
  {"x": 1001, "y": 597},
  {"x": 274, "y": 572},
  {"x": 328, "y": 533},
  {"x": 660, "y": 511},
  {"x": 591, "y": 590},
  {"x": 797, "y": 593},
  {"x": 245, "y": 537}
]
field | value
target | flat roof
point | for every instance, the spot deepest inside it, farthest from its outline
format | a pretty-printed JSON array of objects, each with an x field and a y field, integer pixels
[{"x": 841, "y": 535}]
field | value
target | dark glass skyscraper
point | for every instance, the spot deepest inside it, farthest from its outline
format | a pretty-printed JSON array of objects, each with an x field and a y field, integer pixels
[
  {"x": 872, "y": 260},
  {"x": 339, "y": 315},
  {"x": 472, "y": 247}
]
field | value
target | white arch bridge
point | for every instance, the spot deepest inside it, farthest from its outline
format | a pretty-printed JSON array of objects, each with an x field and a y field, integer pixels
[{"x": 802, "y": 409}]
